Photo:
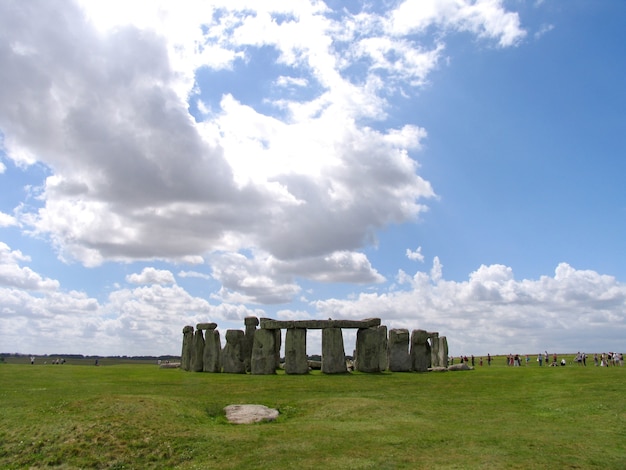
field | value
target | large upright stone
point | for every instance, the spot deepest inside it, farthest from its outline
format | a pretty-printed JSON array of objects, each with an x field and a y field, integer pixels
[
  {"x": 295, "y": 351},
  {"x": 185, "y": 355},
  {"x": 370, "y": 342},
  {"x": 212, "y": 352},
  {"x": 443, "y": 351},
  {"x": 399, "y": 357},
  {"x": 251, "y": 323},
  {"x": 263, "y": 360},
  {"x": 197, "y": 351},
  {"x": 420, "y": 351},
  {"x": 232, "y": 354},
  {"x": 434, "y": 349},
  {"x": 277, "y": 344},
  {"x": 333, "y": 353}
]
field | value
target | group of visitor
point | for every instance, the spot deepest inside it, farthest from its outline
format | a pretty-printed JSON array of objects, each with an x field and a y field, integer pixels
[
  {"x": 515, "y": 360},
  {"x": 610, "y": 359}
]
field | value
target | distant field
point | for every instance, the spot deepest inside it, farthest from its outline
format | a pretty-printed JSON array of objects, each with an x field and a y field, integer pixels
[{"x": 139, "y": 416}]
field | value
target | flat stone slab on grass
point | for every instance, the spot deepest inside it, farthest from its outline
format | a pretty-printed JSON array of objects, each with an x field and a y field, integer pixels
[{"x": 247, "y": 414}]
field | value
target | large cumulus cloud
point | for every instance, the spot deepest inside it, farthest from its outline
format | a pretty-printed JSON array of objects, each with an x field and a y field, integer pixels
[{"x": 104, "y": 101}]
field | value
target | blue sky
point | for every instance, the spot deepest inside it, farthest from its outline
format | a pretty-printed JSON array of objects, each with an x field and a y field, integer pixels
[{"x": 454, "y": 166}]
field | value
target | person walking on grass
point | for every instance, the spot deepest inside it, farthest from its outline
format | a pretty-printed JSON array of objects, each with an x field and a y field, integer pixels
[{"x": 539, "y": 359}]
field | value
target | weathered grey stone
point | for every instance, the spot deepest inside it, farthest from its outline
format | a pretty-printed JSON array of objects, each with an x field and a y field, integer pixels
[
  {"x": 434, "y": 349},
  {"x": 333, "y": 353},
  {"x": 212, "y": 352},
  {"x": 263, "y": 361},
  {"x": 251, "y": 321},
  {"x": 443, "y": 351},
  {"x": 369, "y": 344},
  {"x": 197, "y": 351},
  {"x": 206, "y": 326},
  {"x": 232, "y": 354},
  {"x": 269, "y": 324},
  {"x": 277, "y": 344},
  {"x": 295, "y": 351},
  {"x": 420, "y": 351},
  {"x": 247, "y": 414},
  {"x": 399, "y": 357},
  {"x": 185, "y": 356},
  {"x": 461, "y": 366},
  {"x": 251, "y": 324}
]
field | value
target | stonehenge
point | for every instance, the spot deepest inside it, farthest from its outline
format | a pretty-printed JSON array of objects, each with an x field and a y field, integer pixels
[{"x": 257, "y": 349}]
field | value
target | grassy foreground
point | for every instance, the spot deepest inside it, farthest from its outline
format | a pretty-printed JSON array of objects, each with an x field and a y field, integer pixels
[{"x": 140, "y": 416}]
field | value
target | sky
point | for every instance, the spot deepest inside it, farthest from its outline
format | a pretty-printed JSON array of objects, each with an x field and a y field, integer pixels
[{"x": 449, "y": 165}]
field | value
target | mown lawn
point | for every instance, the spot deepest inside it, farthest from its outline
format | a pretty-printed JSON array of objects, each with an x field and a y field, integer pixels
[{"x": 139, "y": 416}]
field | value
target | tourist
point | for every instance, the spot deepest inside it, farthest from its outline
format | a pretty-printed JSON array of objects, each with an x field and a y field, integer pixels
[
  {"x": 488, "y": 359},
  {"x": 539, "y": 359}
]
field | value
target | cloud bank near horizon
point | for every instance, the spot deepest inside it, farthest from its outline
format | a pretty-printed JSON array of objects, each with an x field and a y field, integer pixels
[{"x": 490, "y": 312}]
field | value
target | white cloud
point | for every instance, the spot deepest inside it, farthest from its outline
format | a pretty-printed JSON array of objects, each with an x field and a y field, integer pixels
[
  {"x": 544, "y": 29},
  {"x": 300, "y": 183},
  {"x": 152, "y": 276},
  {"x": 7, "y": 220},
  {"x": 577, "y": 310},
  {"x": 485, "y": 18},
  {"x": 13, "y": 275},
  {"x": 185, "y": 274},
  {"x": 415, "y": 255},
  {"x": 490, "y": 312}
]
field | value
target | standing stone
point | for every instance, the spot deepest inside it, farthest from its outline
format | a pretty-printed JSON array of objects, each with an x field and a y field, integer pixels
[
  {"x": 185, "y": 356},
  {"x": 212, "y": 352},
  {"x": 277, "y": 344},
  {"x": 443, "y": 351},
  {"x": 197, "y": 351},
  {"x": 263, "y": 360},
  {"x": 333, "y": 353},
  {"x": 369, "y": 344},
  {"x": 295, "y": 351},
  {"x": 434, "y": 350},
  {"x": 420, "y": 351},
  {"x": 251, "y": 324},
  {"x": 399, "y": 357},
  {"x": 232, "y": 354}
]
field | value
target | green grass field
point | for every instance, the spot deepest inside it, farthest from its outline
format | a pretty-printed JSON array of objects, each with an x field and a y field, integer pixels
[{"x": 139, "y": 416}]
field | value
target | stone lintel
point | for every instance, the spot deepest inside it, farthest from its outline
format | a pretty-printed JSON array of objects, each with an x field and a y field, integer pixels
[
  {"x": 206, "y": 326},
  {"x": 269, "y": 324}
]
